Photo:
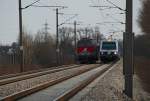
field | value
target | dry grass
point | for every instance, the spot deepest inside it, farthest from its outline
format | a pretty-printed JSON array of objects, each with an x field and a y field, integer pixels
[
  {"x": 142, "y": 69},
  {"x": 12, "y": 69}
]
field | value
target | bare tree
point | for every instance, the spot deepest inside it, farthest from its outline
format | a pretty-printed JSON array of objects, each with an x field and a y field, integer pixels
[
  {"x": 142, "y": 42},
  {"x": 28, "y": 47},
  {"x": 66, "y": 44},
  {"x": 44, "y": 48},
  {"x": 142, "y": 46},
  {"x": 144, "y": 17}
]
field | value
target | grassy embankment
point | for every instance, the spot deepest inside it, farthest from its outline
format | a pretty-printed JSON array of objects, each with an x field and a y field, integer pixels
[{"x": 142, "y": 69}]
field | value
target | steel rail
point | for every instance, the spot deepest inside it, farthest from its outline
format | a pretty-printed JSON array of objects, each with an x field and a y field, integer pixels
[
  {"x": 33, "y": 75},
  {"x": 32, "y": 71},
  {"x": 70, "y": 93},
  {"x": 39, "y": 87}
]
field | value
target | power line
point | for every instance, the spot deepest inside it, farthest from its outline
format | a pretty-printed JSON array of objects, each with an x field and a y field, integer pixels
[
  {"x": 31, "y": 4},
  {"x": 68, "y": 19},
  {"x": 115, "y": 19},
  {"x": 115, "y": 5},
  {"x": 111, "y": 23},
  {"x": 49, "y": 6}
]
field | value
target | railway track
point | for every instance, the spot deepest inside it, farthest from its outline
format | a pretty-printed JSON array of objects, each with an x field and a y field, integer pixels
[
  {"x": 77, "y": 70},
  {"x": 33, "y": 71},
  {"x": 74, "y": 90},
  {"x": 27, "y": 75},
  {"x": 65, "y": 95}
]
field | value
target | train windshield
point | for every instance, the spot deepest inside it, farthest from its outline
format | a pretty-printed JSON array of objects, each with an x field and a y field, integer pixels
[
  {"x": 109, "y": 45},
  {"x": 86, "y": 43}
]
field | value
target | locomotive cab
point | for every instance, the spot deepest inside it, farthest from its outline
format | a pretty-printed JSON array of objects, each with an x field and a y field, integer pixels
[{"x": 109, "y": 50}]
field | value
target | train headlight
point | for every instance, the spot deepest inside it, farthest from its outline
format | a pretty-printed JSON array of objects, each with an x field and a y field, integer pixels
[
  {"x": 115, "y": 52},
  {"x": 101, "y": 52}
]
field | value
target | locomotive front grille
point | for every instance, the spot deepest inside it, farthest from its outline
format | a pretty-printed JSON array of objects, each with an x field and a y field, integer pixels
[{"x": 105, "y": 53}]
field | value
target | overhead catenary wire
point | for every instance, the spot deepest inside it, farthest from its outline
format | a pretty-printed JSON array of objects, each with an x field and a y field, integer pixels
[
  {"x": 49, "y": 6},
  {"x": 115, "y": 5},
  {"x": 115, "y": 19},
  {"x": 104, "y": 16},
  {"x": 68, "y": 19},
  {"x": 31, "y": 4}
]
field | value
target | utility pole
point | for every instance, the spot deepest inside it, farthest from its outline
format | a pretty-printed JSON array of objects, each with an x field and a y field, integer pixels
[
  {"x": 75, "y": 38},
  {"x": 97, "y": 37},
  {"x": 128, "y": 51},
  {"x": 21, "y": 40},
  {"x": 57, "y": 39},
  {"x": 75, "y": 34},
  {"x": 86, "y": 32},
  {"x": 97, "y": 34}
]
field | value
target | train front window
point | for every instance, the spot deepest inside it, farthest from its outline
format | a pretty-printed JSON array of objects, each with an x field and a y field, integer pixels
[
  {"x": 108, "y": 45},
  {"x": 86, "y": 43}
]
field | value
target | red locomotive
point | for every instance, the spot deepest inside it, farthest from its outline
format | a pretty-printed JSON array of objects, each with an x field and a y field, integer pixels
[{"x": 87, "y": 50}]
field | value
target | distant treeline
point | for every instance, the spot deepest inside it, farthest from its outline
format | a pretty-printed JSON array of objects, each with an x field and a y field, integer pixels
[{"x": 40, "y": 48}]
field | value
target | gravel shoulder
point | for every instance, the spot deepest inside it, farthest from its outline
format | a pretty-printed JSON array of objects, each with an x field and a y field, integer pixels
[{"x": 110, "y": 87}]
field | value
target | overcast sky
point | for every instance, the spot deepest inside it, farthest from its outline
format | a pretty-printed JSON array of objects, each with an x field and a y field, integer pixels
[{"x": 34, "y": 18}]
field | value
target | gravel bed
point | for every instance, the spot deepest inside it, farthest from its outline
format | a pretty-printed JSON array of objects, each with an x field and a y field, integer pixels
[
  {"x": 11, "y": 88},
  {"x": 109, "y": 88}
]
